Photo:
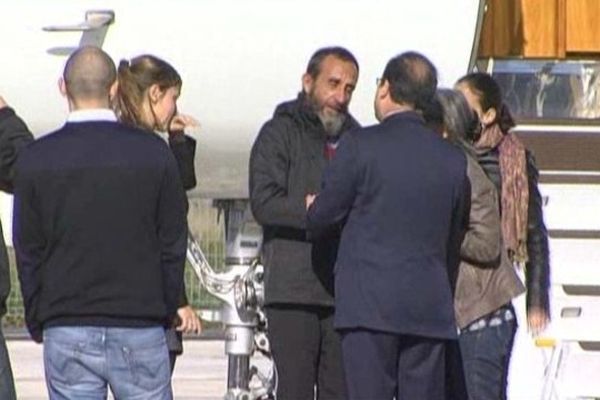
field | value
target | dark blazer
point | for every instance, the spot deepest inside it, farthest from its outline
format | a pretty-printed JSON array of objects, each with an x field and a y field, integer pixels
[
  {"x": 404, "y": 196},
  {"x": 99, "y": 228}
]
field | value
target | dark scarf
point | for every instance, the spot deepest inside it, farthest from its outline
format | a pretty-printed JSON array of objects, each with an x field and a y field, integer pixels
[{"x": 515, "y": 189}]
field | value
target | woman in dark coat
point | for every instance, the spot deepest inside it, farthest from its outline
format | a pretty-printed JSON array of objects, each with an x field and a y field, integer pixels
[{"x": 147, "y": 98}]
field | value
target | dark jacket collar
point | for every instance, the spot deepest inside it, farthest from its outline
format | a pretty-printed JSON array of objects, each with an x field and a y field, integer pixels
[{"x": 406, "y": 116}]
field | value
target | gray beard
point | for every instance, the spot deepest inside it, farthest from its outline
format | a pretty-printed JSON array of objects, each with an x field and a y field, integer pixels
[{"x": 332, "y": 124}]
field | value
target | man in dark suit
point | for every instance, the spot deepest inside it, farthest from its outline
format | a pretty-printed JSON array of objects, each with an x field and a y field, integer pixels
[
  {"x": 100, "y": 235},
  {"x": 402, "y": 194}
]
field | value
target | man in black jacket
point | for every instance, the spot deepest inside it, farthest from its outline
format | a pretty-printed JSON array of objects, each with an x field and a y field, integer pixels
[
  {"x": 14, "y": 135},
  {"x": 286, "y": 164},
  {"x": 100, "y": 235}
]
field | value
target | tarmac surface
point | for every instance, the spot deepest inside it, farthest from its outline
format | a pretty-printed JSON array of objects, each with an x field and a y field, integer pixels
[{"x": 201, "y": 372}]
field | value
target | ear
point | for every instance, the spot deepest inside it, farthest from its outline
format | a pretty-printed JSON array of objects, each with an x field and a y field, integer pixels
[
  {"x": 489, "y": 117},
  {"x": 113, "y": 90},
  {"x": 155, "y": 93},
  {"x": 307, "y": 83},
  {"x": 383, "y": 90},
  {"x": 62, "y": 87}
]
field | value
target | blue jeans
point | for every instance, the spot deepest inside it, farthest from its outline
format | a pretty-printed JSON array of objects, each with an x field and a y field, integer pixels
[
  {"x": 7, "y": 384},
  {"x": 80, "y": 362},
  {"x": 486, "y": 354}
]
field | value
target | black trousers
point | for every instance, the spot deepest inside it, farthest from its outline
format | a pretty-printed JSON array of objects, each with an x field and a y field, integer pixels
[
  {"x": 381, "y": 366},
  {"x": 307, "y": 352},
  {"x": 175, "y": 345}
]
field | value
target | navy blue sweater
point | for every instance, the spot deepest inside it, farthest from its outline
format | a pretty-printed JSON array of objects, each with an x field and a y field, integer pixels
[{"x": 99, "y": 228}]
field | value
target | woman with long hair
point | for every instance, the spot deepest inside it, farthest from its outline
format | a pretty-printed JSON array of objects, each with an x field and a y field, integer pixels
[
  {"x": 147, "y": 98},
  {"x": 487, "y": 280},
  {"x": 511, "y": 167}
]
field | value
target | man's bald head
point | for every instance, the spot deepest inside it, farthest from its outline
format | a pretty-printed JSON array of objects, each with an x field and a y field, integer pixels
[{"x": 89, "y": 75}]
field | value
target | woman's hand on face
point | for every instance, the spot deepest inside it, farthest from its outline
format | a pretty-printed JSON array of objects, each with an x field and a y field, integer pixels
[{"x": 182, "y": 121}]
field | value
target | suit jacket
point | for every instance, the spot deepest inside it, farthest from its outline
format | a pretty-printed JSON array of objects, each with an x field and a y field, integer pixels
[{"x": 404, "y": 196}]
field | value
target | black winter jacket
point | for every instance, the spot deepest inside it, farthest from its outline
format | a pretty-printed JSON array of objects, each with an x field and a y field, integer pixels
[
  {"x": 183, "y": 148},
  {"x": 537, "y": 271},
  {"x": 14, "y": 135},
  {"x": 287, "y": 163}
]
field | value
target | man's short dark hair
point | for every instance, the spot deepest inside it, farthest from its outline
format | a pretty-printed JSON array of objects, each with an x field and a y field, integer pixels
[
  {"x": 412, "y": 79},
  {"x": 314, "y": 64}
]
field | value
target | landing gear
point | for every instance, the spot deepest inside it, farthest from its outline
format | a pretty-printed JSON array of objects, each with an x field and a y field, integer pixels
[{"x": 251, "y": 372}]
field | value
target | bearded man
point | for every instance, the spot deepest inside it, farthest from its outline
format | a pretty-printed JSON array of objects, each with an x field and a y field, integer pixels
[{"x": 286, "y": 164}]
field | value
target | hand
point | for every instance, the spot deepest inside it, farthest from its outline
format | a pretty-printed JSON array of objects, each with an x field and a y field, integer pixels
[
  {"x": 182, "y": 121},
  {"x": 309, "y": 199},
  {"x": 190, "y": 323},
  {"x": 2, "y": 103},
  {"x": 537, "y": 320},
  {"x": 36, "y": 332}
]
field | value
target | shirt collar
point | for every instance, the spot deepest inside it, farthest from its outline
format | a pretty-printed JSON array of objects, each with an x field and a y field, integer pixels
[{"x": 94, "y": 114}]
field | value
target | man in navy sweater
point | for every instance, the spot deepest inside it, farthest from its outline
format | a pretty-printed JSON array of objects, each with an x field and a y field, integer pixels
[
  {"x": 100, "y": 236},
  {"x": 402, "y": 193}
]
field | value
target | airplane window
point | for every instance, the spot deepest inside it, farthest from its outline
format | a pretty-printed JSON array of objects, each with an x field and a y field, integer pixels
[{"x": 545, "y": 90}]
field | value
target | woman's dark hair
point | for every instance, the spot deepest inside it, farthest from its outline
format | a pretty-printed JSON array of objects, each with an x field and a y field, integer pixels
[
  {"x": 135, "y": 78},
  {"x": 490, "y": 96}
]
